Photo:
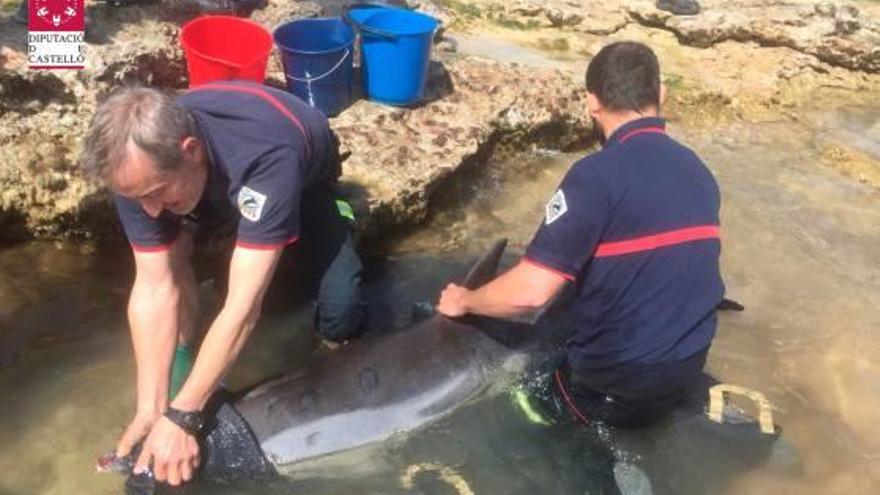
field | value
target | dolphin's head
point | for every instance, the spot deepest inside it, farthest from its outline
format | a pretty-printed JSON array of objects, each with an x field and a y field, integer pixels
[{"x": 228, "y": 448}]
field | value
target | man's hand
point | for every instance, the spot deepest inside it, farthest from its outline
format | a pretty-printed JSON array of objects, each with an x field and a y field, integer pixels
[
  {"x": 452, "y": 301},
  {"x": 521, "y": 291},
  {"x": 174, "y": 452},
  {"x": 136, "y": 431}
]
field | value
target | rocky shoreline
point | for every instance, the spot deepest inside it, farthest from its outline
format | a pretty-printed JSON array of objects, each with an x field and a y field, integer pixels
[{"x": 476, "y": 108}]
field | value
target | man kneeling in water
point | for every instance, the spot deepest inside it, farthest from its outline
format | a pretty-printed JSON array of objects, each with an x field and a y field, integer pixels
[{"x": 635, "y": 229}]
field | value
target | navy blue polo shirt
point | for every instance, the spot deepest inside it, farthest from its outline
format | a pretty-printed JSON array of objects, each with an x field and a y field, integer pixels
[
  {"x": 635, "y": 227},
  {"x": 264, "y": 146}
]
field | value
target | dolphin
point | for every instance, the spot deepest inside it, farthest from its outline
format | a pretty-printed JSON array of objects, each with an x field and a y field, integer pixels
[
  {"x": 333, "y": 416},
  {"x": 336, "y": 410},
  {"x": 363, "y": 393}
]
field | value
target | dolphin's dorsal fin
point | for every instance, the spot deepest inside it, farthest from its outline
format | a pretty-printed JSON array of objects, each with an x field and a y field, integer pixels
[{"x": 485, "y": 269}]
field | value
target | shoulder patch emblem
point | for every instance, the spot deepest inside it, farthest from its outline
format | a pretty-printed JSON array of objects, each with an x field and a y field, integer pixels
[
  {"x": 250, "y": 203},
  {"x": 555, "y": 208}
]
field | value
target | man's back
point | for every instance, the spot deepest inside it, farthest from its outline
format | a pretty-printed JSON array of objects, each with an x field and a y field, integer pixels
[
  {"x": 264, "y": 148},
  {"x": 649, "y": 220},
  {"x": 244, "y": 123}
]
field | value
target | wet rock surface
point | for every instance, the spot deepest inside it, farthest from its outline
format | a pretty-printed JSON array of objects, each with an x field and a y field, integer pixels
[
  {"x": 837, "y": 33},
  {"x": 398, "y": 156},
  {"x": 474, "y": 109},
  {"x": 583, "y": 16},
  {"x": 44, "y": 114},
  {"x": 765, "y": 58}
]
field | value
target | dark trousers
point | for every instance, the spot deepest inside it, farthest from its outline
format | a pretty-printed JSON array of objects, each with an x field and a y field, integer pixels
[
  {"x": 633, "y": 396},
  {"x": 332, "y": 265}
]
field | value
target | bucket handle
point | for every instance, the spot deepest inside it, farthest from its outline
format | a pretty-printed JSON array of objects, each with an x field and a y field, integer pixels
[
  {"x": 363, "y": 27},
  {"x": 322, "y": 76}
]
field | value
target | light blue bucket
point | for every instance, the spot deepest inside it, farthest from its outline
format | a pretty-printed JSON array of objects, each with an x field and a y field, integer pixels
[{"x": 395, "y": 52}]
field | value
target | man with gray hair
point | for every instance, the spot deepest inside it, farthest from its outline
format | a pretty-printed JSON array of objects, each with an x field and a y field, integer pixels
[{"x": 234, "y": 155}]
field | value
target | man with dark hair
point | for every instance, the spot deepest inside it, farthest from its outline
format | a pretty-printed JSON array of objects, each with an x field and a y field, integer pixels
[
  {"x": 233, "y": 156},
  {"x": 634, "y": 229}
]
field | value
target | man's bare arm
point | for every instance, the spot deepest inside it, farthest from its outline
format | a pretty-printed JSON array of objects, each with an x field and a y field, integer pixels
[
  {"x": 521, "y": 291},
  {"x": 250, "y": 272},
  {"x": 162, "y": 310}
]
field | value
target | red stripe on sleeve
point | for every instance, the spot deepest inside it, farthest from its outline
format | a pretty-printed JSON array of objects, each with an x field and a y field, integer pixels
[
  {"x": 140, "y": 248},
  {"x": 151, "y": 249},
  {"x": 266, "y": 247},
  {"x": 663, "y": 239}
]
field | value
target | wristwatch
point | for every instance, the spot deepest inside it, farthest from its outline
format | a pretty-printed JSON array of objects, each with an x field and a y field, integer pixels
[{"x": 189, "y": 421}]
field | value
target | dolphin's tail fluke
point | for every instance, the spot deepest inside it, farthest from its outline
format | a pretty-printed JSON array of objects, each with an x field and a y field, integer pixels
[{"x": 484, "y": 270}]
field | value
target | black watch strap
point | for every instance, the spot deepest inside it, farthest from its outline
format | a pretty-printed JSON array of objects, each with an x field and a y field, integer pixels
[{"x": 189, "y": 421}]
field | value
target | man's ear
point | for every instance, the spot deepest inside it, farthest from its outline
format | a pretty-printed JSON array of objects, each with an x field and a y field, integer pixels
[
  {"x": 594, "y": 106},
  {"x": 192, "y": 147},
  {"x": 662, "y": 94}
]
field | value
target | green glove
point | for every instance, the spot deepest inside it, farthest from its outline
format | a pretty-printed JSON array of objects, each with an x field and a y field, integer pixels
[{"x": 180, "y": 368}]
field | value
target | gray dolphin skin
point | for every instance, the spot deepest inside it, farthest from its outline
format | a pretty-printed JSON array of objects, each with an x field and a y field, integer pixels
[
  {"x": 331, "y": 413},
  {"x": 331, "y": 417},
  {"x": 363, "y": 393}
]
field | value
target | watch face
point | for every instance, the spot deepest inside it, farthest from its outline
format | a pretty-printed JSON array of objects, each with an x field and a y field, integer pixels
[
  {"x": 193, "y": 420},
  {"x": 190, "y": 421},
  {"x": 197, "y": 421}
]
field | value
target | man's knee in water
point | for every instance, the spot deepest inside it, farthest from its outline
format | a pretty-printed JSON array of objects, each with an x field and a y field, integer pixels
[
  {"x": 339, "y": 320},
  {"x": 340, "y": 310}
]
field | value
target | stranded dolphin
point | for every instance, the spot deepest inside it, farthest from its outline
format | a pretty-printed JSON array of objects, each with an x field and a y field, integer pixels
[
  {"x": 328, "y": 417},
  {"x": 363, "y": 393},
  {"x": 336, "y": 409}
]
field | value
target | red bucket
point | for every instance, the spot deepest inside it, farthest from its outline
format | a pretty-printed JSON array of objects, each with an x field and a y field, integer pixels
[{"x": 221, "y": 47}]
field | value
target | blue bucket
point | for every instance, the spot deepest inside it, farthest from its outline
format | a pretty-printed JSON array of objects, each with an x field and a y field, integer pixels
[
  {"x": 317, "y": 58},
  {"x": 395, "y": 52}
]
